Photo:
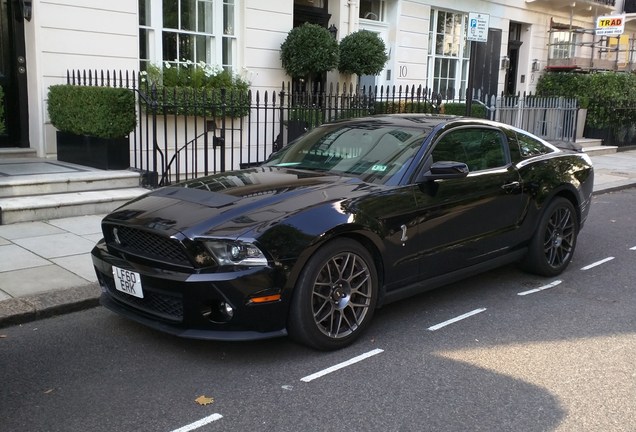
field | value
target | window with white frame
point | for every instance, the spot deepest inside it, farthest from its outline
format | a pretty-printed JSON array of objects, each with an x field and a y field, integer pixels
[
  {"x": 562, "y": 44},
  {"x": 372, "y": 10},
  {"x": 182, "y": 31},
  {"x": 448, "y": 54}
]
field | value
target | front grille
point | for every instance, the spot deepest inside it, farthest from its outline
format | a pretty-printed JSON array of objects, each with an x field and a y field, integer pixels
[
  {"x": 161, "y": 305},
  {"x": 146, "y": 244}
]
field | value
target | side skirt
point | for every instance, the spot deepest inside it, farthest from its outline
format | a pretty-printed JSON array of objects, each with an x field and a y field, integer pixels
[{"x": 438, "y": 281}]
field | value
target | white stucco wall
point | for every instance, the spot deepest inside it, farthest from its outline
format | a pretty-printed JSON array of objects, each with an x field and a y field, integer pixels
[
  {"x": 74, "y": 34},
  {"x": 266, "y": 24},
  {"x": 410, "y": 48},
  {"x": 95, "y": 34}
]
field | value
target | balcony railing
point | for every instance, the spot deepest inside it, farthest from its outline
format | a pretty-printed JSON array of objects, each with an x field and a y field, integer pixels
[{"x": 579, "y": 7}]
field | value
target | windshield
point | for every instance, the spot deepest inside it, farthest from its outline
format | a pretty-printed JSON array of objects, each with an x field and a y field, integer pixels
[{"x": 375, "y": 153}]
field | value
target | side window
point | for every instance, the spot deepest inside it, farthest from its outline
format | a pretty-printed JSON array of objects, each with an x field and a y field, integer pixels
[
  {"x": 529, "y": 146},
  {"x": 478, "y": 148}
]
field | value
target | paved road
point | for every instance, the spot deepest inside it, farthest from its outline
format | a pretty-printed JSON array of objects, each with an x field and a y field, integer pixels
[{"x": 559, "y": 358}]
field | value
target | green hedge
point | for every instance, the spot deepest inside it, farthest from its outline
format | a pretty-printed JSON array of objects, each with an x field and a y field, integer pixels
[
  {"x": 103, "y": 112},
  {"x": 2, "y": 124},
  {"x": 403, "y": 107},
  {"x": 459, "y": 109},
  {"x": 608, "y": 96},
  {"x": 210, "y": 102},
  {"x": 196, "y": 89}
]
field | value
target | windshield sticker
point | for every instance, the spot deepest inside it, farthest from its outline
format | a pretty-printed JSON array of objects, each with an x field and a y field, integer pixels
[{"x": 379, "y": 168}]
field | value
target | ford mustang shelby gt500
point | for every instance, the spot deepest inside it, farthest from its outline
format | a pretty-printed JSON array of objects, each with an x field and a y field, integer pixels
[{"x": 349, "y": 217}]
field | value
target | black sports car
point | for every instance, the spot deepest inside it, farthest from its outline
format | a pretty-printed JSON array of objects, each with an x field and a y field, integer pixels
[{"x": 349, "y": 217}]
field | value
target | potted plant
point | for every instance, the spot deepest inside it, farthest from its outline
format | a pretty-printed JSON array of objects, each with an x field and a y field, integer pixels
[
  {"x": 306, "y": 54},
  {"x": 309, "y": 51},
  {"x": 93, "y": 124}
]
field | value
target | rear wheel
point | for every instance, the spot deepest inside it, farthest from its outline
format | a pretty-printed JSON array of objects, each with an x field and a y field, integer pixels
[
  {"x": 335, "y": 296},
  {"x": 552, "y": 246}
]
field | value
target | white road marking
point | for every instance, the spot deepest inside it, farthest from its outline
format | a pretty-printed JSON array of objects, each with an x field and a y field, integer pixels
[
  {"x": 544, "y": 287},
  {"x": 198, "y": 424},
  {"x": 341, "y": 365},
  {"x": 597, "y": 263},
  {"x": 454, "y": 320},
  {"x": 632, "y": 248}
]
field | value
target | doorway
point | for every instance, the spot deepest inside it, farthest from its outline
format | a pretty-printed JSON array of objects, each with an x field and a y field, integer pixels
[
  {"x": 514, "y": 44},
  {"x": 13, "y": 78}
]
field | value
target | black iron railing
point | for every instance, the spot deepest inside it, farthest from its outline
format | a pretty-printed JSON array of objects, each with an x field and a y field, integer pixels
[{"x": 184, "y": 133}]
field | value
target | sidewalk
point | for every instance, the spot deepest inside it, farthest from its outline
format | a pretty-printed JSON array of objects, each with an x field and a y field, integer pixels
[{"x": 46, "y": 269}]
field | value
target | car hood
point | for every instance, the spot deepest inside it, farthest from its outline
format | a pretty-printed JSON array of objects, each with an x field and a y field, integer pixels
[{"x": 232, "y": 204}]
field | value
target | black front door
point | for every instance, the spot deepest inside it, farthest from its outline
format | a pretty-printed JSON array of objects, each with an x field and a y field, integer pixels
[
  {"x": 486, "y": 77},
  {"x": 13, "y": 69}
]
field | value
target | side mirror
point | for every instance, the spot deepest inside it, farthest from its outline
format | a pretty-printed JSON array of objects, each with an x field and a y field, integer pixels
[{"x": 446, "y": 170}]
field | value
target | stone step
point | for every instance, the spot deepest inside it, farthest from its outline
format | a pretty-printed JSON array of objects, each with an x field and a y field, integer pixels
[
  {"x": 55, "y": 183},
  {"x": 16, "y": 152},
  {"x": 60, "y": 205},
  {"x": 600, "y": 150},
  {"x": 589, "y": 142}
]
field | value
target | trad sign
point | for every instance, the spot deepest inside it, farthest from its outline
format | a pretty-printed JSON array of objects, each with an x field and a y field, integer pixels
[{"x": 610, "y": 25}]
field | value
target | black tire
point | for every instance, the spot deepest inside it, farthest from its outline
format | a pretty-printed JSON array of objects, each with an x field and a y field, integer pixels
[
  {"x": 552, "y": 246},
  {"x": 334, "y": 297}
]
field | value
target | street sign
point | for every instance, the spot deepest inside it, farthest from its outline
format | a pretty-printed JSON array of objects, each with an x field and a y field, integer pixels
[
  {"x": 613, "y": 25},
  {"x": 478, "y": 24}
]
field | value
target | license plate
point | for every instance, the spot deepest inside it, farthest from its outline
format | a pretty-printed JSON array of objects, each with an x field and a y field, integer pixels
[{"x": 128, "y": 282}]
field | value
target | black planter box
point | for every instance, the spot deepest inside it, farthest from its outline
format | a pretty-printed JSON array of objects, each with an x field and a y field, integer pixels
[{"x": 102, "y": 153}]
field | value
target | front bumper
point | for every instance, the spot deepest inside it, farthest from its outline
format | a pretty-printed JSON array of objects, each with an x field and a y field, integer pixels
[{"x": 179, "y": 303}]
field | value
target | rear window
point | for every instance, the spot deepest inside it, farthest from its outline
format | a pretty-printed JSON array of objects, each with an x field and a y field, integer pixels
[{"x": 529, "y": 146}]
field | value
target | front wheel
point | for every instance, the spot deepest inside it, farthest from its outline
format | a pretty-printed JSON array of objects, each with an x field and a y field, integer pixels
[
  {"x": 334, "y": 297},
  {"x": 552, "y": 246}
]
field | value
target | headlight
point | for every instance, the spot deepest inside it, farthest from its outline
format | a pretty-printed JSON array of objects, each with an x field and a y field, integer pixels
[{"x": 227, "y": 252}]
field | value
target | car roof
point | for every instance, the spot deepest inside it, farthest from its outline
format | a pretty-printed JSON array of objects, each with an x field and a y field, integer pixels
[{"x": 404, "y": 120}]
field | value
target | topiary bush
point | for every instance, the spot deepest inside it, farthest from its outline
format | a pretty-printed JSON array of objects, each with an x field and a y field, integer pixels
[
  {"x": 103, "y": 112},
  {"x": 308, "y": 51},
  {"x": 362, "y": 53}
]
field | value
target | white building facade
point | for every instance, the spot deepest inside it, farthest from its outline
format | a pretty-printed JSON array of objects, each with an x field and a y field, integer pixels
[{"x": 426, "y": 41}]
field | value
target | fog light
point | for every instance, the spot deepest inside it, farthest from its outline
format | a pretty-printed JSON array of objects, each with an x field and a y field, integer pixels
[
  {"x": 219, "y": 312},
  {"x": 227, "y": 310}
]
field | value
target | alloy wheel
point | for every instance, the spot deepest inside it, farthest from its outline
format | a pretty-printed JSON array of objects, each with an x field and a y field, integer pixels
[
  {"x": 559, "y": 237},
  {"x": 342, "y": 295}
]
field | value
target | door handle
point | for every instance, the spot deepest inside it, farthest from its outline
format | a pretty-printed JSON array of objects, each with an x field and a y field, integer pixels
[{"x": 510, "y": 187}]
